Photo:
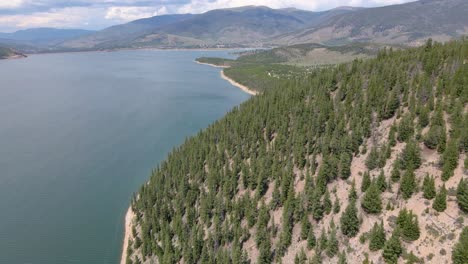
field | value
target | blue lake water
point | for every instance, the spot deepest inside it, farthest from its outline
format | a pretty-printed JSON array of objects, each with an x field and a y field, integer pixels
[{"x": 80, "y": 132}]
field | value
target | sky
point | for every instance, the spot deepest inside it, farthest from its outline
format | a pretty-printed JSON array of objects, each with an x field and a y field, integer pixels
[{"x": 98, "y": 14}]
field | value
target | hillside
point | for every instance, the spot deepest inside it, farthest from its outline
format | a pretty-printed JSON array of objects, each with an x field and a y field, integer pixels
[
  {"x": 41, "y": 37},
  {"x": 410, "y": 23},
  {"x": 364, "y": 161},
  {"x": 234, "y": 27},
  {"x": 8, "y": 53}
]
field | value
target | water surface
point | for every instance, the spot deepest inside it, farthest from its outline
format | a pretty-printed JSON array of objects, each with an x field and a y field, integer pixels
[{"x": 79, "y": 133}]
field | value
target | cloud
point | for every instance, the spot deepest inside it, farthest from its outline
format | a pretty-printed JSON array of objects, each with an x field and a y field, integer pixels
[
  {"x": 128, "y": 13},
  {"x": 10, "y": 4}
]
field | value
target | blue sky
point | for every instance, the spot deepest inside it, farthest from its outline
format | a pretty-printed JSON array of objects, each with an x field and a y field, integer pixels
[{"x": 98, "y": 14}]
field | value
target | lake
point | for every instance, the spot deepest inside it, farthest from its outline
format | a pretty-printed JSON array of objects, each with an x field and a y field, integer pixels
[{"x": 80, "y": 132}]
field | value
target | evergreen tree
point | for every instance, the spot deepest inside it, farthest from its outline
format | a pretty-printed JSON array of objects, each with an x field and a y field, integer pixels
[
  {"x": 429, "y": 191},
  {"x": 349, "y": 220},
  {"x": 407, "y": 221},
  {"x": 366, "y": 181},
  {"x": 327, "y": 203},
  {"x": 332, "y": 245},
  {"x": 381, "y": 181},
  {"x": 345, "y": 165},
  {"x": 311, "y": 240},
  {"x": 371, "y": 201},
  {"x": 372, "y": 160},
  {"x": 305, "y": 227},
  {"x": 462, "y": 195},
  {"x": 408, "y": 184},
  {"x": 406, "y": 128},
  {"x": 377, "y": 237},
  {"x": 395, "y": 171},
  {"x": 323, "y": 240},
  {"x": 440, "y": 201},
  {"x": 411, "y": 158},
  {"x": 392, "y": 249},
  {"x": 336, "y": 205},
  {"x": 460, "y": 250},
  {"x": 449, "y": 160},
  {"x": 342, "y": 258},
  {"x": 352, "y": 196}
]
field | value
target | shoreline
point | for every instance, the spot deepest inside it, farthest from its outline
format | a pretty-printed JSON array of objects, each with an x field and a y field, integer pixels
[
  {"x": 238, "y": 85},
  {"x": 231, "y": 81},
  {"x": 127, "y": 233},
  {"x": 212, "y": 65}
]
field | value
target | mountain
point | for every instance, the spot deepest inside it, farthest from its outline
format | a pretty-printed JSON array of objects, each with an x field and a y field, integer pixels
[
  {"x": 42, "y": 37},
  {"x": 247, "y": 25},
  {"x": 123, "y": 35},
  {"x": 411, "y": 23},
  {"x": 364, "y": 162}
]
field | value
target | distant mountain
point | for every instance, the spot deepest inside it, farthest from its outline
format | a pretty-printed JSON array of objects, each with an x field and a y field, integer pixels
[
  {"x": 42, "y": 36},
  {"x": 247, "y": 25},
  {"x": 406, "y": 23},
  {"x": 124, "y": 34}
]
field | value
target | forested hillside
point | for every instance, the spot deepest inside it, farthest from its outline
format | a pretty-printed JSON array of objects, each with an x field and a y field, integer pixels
[{"x": 363, "y": 162}]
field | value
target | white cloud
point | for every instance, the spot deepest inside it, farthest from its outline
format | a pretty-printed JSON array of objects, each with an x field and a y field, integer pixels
[
  {"x": 10, "y": 4},
  {"x": 128, "y": 13}
]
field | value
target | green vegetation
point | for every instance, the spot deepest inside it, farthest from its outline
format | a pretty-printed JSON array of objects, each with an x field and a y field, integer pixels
[
  {"x": 460, "y": 251},
  {"x": 440, "y": 201},
  {"x": 217, "y": 192}
]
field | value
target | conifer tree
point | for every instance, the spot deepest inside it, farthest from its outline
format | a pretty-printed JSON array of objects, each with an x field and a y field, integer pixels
[
  {"x": 372, "y": 160},
  {"x": 407, "y": 221},
  {"x": 460, "y": 250},
  {"x": 366, "y": 181},
  {"x": 392, "y": 249},
  {"x": 429, "y": 191},
  {"x": 396, "y": 171},
  {"x": 336, "y": 205},
  {"x": 349, "y": 220},
  {"x": 327, "y": 203},
  {"x": 311, "y": 240},
  {"x": 352, "y": 193},
  {"x": 381, "y": 181},
  {"x": 371, "y": 201},
  {"x": 377, "y": 237},
  {"x": 305, "y": 227},
  {"x": 332, "y": 245},
  {"x": 408, "y": 184},
  {"x": 323, "y": 240},
  {"x": 345, "y": 165},
  {"x": 342, "y": 258},
  {"x": 411, "y": 157},
  {"x": 440, "y": 201},
  {"x": 449, "y": 160},
  {"x": 462, "y": 195}
]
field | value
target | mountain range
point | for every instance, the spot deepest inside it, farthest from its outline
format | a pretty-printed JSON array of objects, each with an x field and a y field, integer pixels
[{"x": 257, "y": 26}]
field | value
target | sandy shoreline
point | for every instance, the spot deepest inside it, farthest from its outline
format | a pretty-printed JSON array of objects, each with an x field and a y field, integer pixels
[
  {"x": 240, "y": 86},
  {"x": 128, "y": 232},
  {"x": 231, "y": 81},
  {"x": 212, "y": 65}
]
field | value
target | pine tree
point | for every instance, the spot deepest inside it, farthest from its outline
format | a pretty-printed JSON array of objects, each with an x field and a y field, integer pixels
[
  {"x": 407, "y": 221},
  {"x": 460, "y": 250},
  {"x": 449, "y": 160},
  {"x": 392, "y": 249},
  {"x": 371, "y": 201},
  {"x": 372, "y": 160},
  {"x": 345, "y": 165},
  {"x": 429, "y": 191},
  {"x": 352, "y": 196},
  {"x": 406, "y": 128},
  {"x": 395, "y": 171},
  {"x": 381, "y": 181},
  {"x": 327, "y": 203},
  {"x": 264, "y": 256},
  {"x": 305, "y": 227},
  {"x": 342, "y": 258},
  {"x": 336, "y": 205},
  {"x": 462, "y": 195},
  {"x": 440, "y": 201},
  {"x": 366, "y": 181},
  {"x": 408, "y": 184},
  {"x": 377, "y": 237},
  {"x": 323, "y": 240},
  {"x": 311, "y": 240},
  {"x": 349, "y": 220},
  {"x": 411, "y": 157},
  {"x": 332, "y": 245}
]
